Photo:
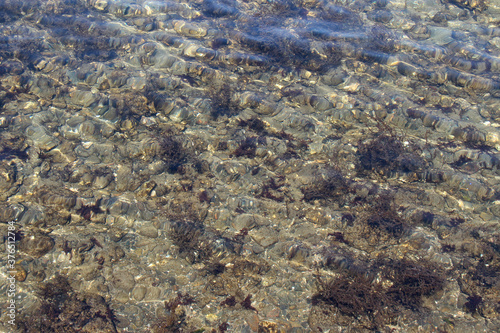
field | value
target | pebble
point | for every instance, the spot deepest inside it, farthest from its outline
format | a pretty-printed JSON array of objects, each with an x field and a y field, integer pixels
[
  {"x": 139, "y": 292},
  {"x": 36, "y": 245},
  {"x": 148, "y": 231},
  {"x": 123, "y": 280},
  {"x": 20, "y": 273},
  {"x": 264, "y": 236},
  {"x": 247, "y": 221},
  {"x": 252, "y": 320}
]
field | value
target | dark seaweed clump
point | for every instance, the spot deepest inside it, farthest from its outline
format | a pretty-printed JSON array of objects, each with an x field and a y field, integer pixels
[
  {"x": 188, "y": 237},
  {"x": 86, "y": 211},
  {"x": 230, "y": 301},
  {"x": 386, "y": 153},
  {"x": 62, "y": 310},
  {"x": 222, "y": 102},
  {"x": 356, "y": 297},
  {"x": 249, "y": 145},
  {"x": 423, "y": 218},
  {"x": 460, "y": 162},
  {"x": 8, "y": 153},
  {"x": 472, "y": 304},
  {"x": 328, "y": 184},
  {"x": 446, "y": 248},
  {"x": 173, "y": 153},
  {"x": 13, "y": 147},
  {"x": 255, "y": 124},
  {"x": 175, "y": 320},
  {"x": 223, "y": 327},
  {"x": 479, "y": 274},
  {"x": 247, "y": 148},
  {"x": 384, "y": 217},
  {"x": 353, "y": 294},
  {"x": 178, "y": 158},
  {"x": 247, "y": 303},
  {"x": 411, "y": 280},
  {"x": 273, "y": 189}
]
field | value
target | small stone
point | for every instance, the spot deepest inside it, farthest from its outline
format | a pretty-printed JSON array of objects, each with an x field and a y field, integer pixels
[
  {"x": 123, "y": 280},
  {"x": 486, "y": 216},
  {"x": 268, "y": 327},
  {"x": 212, "y": 317},
  {"x": 148, "y": 231},
  {"x": 19, "y": 273},
  {"x": 122, "y": 297},
  {"x": 101, "y": 4},
  {"x": 274, "y": 312},
  {"x": 78, "y": 258},
  {"x": 253, "y": 321},
  {"x": 305, "y": 230},
  {"x": 317, "y": 216},
  {"x": 139, "y": 292},
  {"x": 116, "y": 253},
  {"x": 264, "y": 236},
  {"x": 153, "y": 294},
  {"x": 36, "y": 245},
  {"x": 116, "y": 234},
  {"x": 244, "y": 221},
  {"x": 495, "y": 210},
  {"x": 89, "y": 271}
]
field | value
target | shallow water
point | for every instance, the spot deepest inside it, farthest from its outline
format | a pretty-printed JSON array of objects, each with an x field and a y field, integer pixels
[{"x": 270, "y": 166}]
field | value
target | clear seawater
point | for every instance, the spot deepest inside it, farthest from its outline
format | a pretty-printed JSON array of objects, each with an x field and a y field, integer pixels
[{"x": 188, "y": 166}]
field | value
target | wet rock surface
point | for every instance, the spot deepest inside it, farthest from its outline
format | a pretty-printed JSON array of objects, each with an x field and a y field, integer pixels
[{"x": 243, "y": 166}]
